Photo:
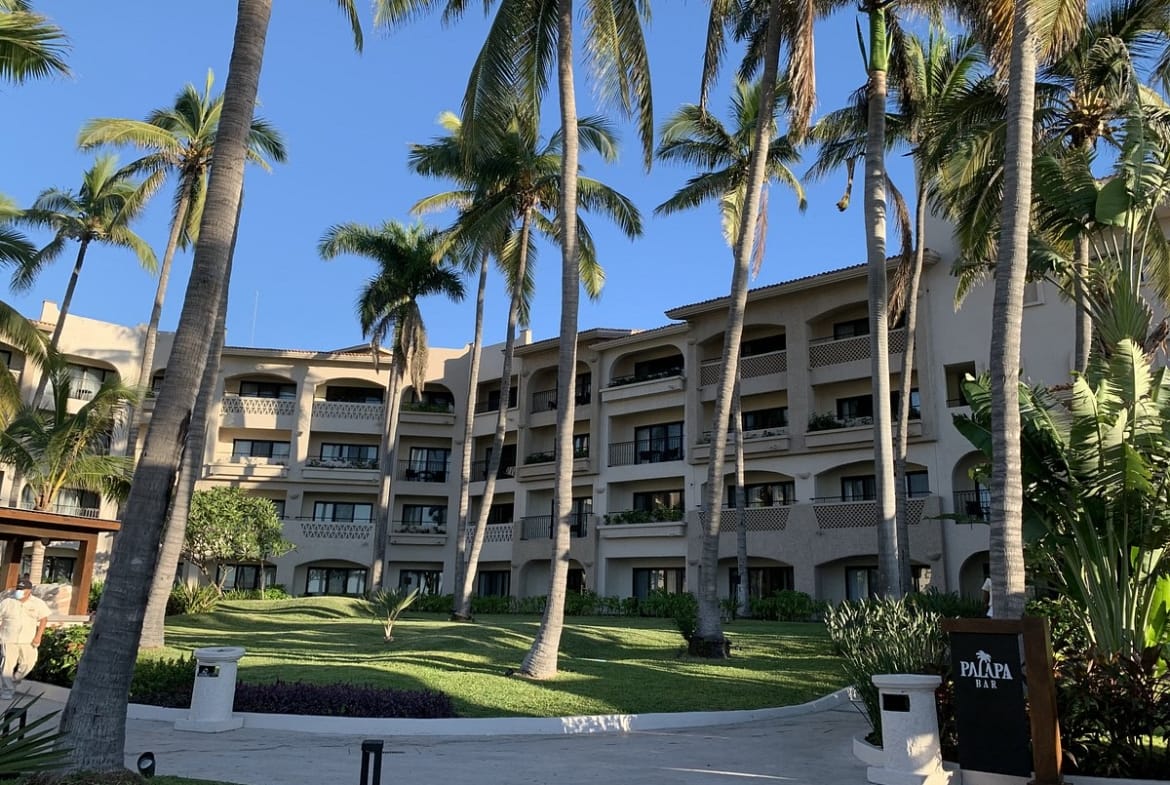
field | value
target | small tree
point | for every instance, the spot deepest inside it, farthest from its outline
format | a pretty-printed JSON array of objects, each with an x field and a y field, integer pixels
[{"x": 228, "y": 525}]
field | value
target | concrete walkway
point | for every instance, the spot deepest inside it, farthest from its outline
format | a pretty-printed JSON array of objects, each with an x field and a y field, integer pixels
[{"x": 815, "y": 749}]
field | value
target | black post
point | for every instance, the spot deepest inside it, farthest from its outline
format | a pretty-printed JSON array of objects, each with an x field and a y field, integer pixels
[
  {"x": 371, "y": 748},
  {"x": 19, "y": 714}
]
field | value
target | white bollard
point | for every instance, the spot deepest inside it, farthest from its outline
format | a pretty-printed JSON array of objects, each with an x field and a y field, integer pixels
[
  {"x": 909, "y": 731},
  {"x": 214, "y": 692}
]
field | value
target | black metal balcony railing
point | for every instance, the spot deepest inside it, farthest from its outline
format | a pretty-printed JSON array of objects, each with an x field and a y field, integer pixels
[
  {"x": 975, "y": 505},
  {"x": 479, "y": 471},
  {"x": 423, "y": 471},
  {"x": 545, "y": 400},
  {"x": 668, "y": 448},
  {"x": 539, "y": 527},
  {"x": 337, "y": 462}
]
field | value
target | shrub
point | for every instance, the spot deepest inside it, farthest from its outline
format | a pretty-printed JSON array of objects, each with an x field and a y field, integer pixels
[
  {"x": 580, "y": 603},
  {"x": 387, "y": 605},
  {"x": 435, "y": 603},
  {"x": 186, "y": 599},
  {"x": 59, "y": 653},
  {"x": 95, "y": 595},
  {"x": 886, "y": 636},
  {"x": 786, "y": 605},
  {"x": 164, "y": 682},
  {"x": 342, "y": 700},
  {"x": 948, "y": 605},
  {"x": 491, "y": 605},
  {"x": 531, "y": 605},
  {"x": 274, "y": 592}
]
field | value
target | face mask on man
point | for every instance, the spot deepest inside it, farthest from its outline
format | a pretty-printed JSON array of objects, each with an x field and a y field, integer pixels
[{"x": 20, "y": 593}]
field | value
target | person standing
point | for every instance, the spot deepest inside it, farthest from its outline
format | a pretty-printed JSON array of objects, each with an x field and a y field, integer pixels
[{"x": 22, "y": 622}]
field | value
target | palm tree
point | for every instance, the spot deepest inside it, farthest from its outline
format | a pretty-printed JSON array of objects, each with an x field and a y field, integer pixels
[
  {"x": 524, "y": 42},
  {"x": 692, "y": 135},
  {"x": 411, "y": 266},
  {"x": 517, "y": 181},
  {"x": 180, "y": 140},
  {"x": 94, "y": 718},
  {"x": 101, "y": 211},
  {"x": 31, "y": 47}
]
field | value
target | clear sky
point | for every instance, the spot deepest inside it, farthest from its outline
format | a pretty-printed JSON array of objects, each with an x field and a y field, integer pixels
[{"x": 347, "y": 120}]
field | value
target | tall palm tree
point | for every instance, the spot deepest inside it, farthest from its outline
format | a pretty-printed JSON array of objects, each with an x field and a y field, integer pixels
[
  {"x": 528, "y": 42},
  {"x": 31, "y": 46},
  {"x": 514, "y": 197},
  {"x": 692, "y": 135},
  {"x": 180, "y": 140},
  {"x": 101, "y": 211},
  {"x": 410, "y": 266},
  {"x": 94, "y": 718}
]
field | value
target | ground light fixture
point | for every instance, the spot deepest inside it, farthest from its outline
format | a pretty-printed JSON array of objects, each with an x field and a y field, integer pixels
[
  {"x": 146, "y": 764},
  {"x": 372, "y": 752}
]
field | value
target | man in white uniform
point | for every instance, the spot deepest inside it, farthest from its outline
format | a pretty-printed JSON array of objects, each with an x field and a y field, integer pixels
[{"x": 22, "y": 622}]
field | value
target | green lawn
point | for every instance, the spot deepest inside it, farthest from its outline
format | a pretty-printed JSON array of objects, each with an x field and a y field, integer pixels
[{"x": 607, "y": 664}]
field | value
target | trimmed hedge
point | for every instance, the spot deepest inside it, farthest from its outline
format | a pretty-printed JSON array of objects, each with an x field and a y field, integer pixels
[{"x": 342, "y": 700}]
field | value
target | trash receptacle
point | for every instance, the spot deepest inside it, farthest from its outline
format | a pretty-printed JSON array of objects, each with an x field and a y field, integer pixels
[
  {"x": 909, "y": 731},
  {"x": 214, "y": 693}
]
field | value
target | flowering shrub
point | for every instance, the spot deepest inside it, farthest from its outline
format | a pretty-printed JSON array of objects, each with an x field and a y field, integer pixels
[{"x": 60, "y": 651}]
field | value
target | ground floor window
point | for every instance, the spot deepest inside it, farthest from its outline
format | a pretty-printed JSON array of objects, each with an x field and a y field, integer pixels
[
  {"x": 56, "y": 569},
  {"x": 426, "y": 581},
  {"x": 762, "y": 581},
  {"x": 862, "y": 582},
  {"x": 575, "y": 582},
  {"x": 493, "y": 583},
  {"x": 244, "y": 576},
  {"x": 648, "y": 579},
  {"x": 336, "y": 580}
]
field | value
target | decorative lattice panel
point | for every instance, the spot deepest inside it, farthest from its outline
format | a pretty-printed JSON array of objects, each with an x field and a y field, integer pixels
[
  {"x": 496, "y": 532},
  {"x": 709, "y": 373},
  {"x": 344, "y": 410},
  {"x": 846, "y": 350},
  {"x": 858, "y": 515},
  {"x": 758, "y": 519},
  {"x": 329, "y": 530},
  {"x": 763, "y": 364},
  {"x": 234, "y": 404}
]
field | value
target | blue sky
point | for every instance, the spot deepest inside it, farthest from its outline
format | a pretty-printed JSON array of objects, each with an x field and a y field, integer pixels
[{"x": 348, "y": 120}]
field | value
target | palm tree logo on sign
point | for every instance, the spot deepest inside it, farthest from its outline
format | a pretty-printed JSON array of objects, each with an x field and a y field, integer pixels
[{"x": 986, "y": 672}]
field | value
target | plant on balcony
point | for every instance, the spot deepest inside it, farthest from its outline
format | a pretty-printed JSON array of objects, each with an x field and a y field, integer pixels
[
  {"x": 824, "y": 421},
  {"x": 659, "y": 514},
  {"x": 424, "y": 406},
  {"x": 621, "y": 381},
  {"x": 541, "y": 457},
  {"x": 341, "y": 463}
]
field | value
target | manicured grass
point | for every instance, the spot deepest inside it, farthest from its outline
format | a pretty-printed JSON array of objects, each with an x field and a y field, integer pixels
[{"x": 606, "y": 665}]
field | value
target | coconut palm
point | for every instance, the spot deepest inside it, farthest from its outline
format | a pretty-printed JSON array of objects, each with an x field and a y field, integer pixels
[
  {"x": 526, "y": 44},
  {"x": 180, "y": 140},
  {"x": 411, "y": 266},
  {"x": 692, "y": 135},
  {"x": 514, "y": 197},
  {"x": 94, "y": 719},
  {"x": 31, "y": 46},
  {"x": 101, "y": 211}
]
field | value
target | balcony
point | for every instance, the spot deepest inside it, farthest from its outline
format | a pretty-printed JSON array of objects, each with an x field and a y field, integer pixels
[
  {"x": 826, "y": 430},
  {"x": 263, "y": 413},
  {"x": 479, "y": 471},
  {"x": 972, "y": 506},
  {"x": 625, "y": 387},
  {"x": 432, "y": 413},
  {"x": 423, "y": 471},
  {"x": 539, "y": 527},
  {"x": 418, "y": 533},
  {"x": 838, "y": 359},
  {"x": 756, "y": 519},
  {"x": 346, "y": 417},
  {"x": 761, "y": 443},
  {"x": 750, "y": 367},
  {"x": 320, "y": 529},
  {"x": 653, "y": 451},
  {"x": 68, "y": 509},
  {"x": 495, "y": 533},
  {"x": 543, "y": 464},
  {"x": 661, "y": 522},
  {"x": 835, "y": 512},
  {"x": 341, "y": 469},
  {"x": 257, "y": 466}
]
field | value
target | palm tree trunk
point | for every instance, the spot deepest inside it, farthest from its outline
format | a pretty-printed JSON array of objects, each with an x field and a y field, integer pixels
[
  {"x": 1007, "y": 546},
  {"x": 889, "y": 577},
  {"x": 150, "y": 340},
  {"x": 59, "y": 327},
  {"x": 902, "y": 426},
  {"x": 94, "y": 719},
  {"x": 708, "y": 640},
  {"x": 462, "y": 609},
  {"x": 154, "y": 622},
  {"x": 741, "y": 546},
  {"x": 541, "y": 660},
  {"x": 1084, "y": 320},
  {"x": 489, "y": 488}
]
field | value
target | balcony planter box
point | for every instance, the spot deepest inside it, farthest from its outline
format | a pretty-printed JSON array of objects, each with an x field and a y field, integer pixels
[
  {"x": 531, "y": 471},
  {"x": 418, "y": 538},
  {"x": 639, "y": 389},
  {"x": 617, "y": 531},
  {"x": 859, "y": 434},
  {"x": 340, "y": 475}
]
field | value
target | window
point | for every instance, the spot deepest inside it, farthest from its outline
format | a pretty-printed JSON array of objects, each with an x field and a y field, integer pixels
[
  {"x": 343, "y": 512},
  {"x": 58, "y": 569},
  {"x": 765, "y": 345},
  {"x": 426, "y": 581},
  {"x": 917, "y": 484},
  {"x": 855, "y": 407},
  {"x": 955, "y": 375},
  {"x": 575, "y": 582},
  {"x": 156, "y": 384},
  {"x": 424, "y": 518},
  {"x": 428, "y": 464},
  {"x": 86, "y": 380},
  {"x": 649, "y": 501},
  {"x": 354, "y": 456},
  {"x": 762, "y": 581},
  {"x": 6, "y": 358},
  {"x": 582, "y": 509},
  {"x": 343, "y": 394},
  {"x": 655, "y": 443},
  {"x": 580, "y": 445},
  {"x": 278, "y": 505},
  {"x": 71, "y": 501},
  {"x": 245, "y": 576},
  {"x": 768, "y": 494},
  {"x": 493, "y": 583},
  {"x": 434, "y": 399},
  {"x": 583, "y": 389},
  {"x": 493, "y": 399},
  {"x": 1033, "y": 295},
  {"x": 861, "y": 583},
  {"x": 274, "y": 452},
  {"x": 281, "y": 390},
  {"x": 507, "y": 462},
  {"x": 667, "y": 579},
  {"x": 761, "y": 419},
  {"x": 658, "y": 368},
  {"x": 915, "y": 404},
  {"x": 504, "y": 512},
  {"x": 851, "y": 328},
  {"x": 858, "y": 489},
  {"x": 349, "y": 581}
]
